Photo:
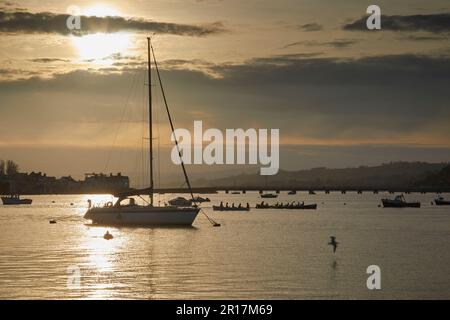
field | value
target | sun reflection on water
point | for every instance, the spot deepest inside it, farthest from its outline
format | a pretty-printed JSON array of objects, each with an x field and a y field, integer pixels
[{"x": 103, "y": 260}]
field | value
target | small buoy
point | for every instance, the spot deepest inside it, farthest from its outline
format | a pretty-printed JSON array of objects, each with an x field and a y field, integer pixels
[
  {"x": 108, "y": 236},
  {"x": 345, "y": 204},
  {"x": 52, "y": 221}
]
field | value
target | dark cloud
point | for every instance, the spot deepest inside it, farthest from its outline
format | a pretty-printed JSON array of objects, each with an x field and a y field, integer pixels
[
  {"x": 435, "y": 23},
  {"x": 372, "y": 98},
  {"x": 375, "y": 70},
  {"x": 49, "y": 60},
  {"x": 338, "y": 43},
  {"x": 303, "y": 69},
  {"x": 17, "y": 74},
  {"x": 311, "y": 27},
  {"x": 341, "y": 43},
  {"x": 46, "y": 22},
  {"x": 424, "y": 38}
]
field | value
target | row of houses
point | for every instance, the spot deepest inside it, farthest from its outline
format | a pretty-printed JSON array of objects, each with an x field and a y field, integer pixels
[{"x": 40, "y": 183}]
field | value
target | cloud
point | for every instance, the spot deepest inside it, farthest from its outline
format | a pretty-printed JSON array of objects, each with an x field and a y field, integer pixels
[
  {"x": 48, "y": 60},
  {"x": 11, "y": 74},
  {"x": 378, "y": 99},
  {"x": 346, "y": 112},
  {"x": 338, "y": 43},
  {"x": 403, "y": 70},
  {"x": 424, "y": 38},
  {"x": 46, "y": 22},
  {"x": 8, "y": 4},
  {"x": 436, "y": 23},
  {"x": 311, "y": 27},
  {"x": 341, "y": 43}
]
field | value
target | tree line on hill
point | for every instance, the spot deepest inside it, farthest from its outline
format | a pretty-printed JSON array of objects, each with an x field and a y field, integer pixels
[{"x": 383, "y": 177}]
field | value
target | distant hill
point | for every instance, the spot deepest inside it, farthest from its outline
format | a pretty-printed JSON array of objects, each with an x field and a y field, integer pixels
[
  {"x": 385, "y": 176},
  {"x": 440, "y": 179}
]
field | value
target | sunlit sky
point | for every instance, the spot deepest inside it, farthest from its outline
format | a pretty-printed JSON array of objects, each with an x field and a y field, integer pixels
[{"x": 341, "y": 96}]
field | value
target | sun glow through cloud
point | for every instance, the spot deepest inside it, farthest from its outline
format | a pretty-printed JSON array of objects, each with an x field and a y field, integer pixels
[{"x": 100, "y": 46}]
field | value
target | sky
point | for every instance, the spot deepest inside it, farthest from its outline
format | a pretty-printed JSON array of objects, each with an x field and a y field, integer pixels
[{"x": 74, "y": 101}]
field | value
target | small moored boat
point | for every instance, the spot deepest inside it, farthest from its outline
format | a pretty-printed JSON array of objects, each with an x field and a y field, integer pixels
[
  {"x": 440, "y": 201},
  {"x": 15, "y": 200},
  {"x": 399, "y": 202},
  {"x": 269, "y": 195},
  {"x": 200, "y": 199},
  {"x": 180, "y": 202}
]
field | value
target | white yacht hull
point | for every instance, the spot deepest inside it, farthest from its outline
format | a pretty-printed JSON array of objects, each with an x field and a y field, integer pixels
[{"x": 142, "y": 215}]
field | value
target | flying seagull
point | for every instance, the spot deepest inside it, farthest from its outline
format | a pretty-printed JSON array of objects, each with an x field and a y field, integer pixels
[{"x": 333, "y": 243}]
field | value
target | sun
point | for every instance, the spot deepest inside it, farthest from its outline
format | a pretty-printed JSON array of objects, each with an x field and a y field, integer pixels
[{"x": 99, "y": 47}]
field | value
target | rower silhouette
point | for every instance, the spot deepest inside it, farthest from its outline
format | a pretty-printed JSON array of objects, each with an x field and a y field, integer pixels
[{"x": 333, "y": 243}]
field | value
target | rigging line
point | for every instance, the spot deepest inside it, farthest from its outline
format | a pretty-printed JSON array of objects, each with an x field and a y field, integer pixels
[
  {"x": 138, "y": 146},
  {"x": 120, "y": 123},
  {"x": 171, "y": 125},
  {"x": 121, "y": 120},
  {"x": 130, "y": 115},
  {"x": 158, "y": 154},
  {"x": 214, "y": 223},
  {"x": 127, "y": 120}
]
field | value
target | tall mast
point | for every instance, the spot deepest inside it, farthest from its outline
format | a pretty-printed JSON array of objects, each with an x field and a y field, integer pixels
[{"x": 150, "y": 118}]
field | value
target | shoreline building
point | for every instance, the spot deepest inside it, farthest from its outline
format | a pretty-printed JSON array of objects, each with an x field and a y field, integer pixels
[
  {"x": 99, "y": 182},
  {"x": 40, "y": 183}
]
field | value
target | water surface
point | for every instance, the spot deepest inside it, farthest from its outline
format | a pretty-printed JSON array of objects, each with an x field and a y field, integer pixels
[{"x": 262, "y": 254}]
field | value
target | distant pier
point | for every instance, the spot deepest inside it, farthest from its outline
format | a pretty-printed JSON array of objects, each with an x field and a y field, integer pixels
[{"x": 342, "y": 190}]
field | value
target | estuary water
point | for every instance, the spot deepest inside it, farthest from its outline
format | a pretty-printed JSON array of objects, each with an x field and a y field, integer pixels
[{"x": 261, "y": 254}]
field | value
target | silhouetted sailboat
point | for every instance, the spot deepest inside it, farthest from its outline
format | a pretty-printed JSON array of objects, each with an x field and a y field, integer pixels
[{"x": 133, "y": 214}]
